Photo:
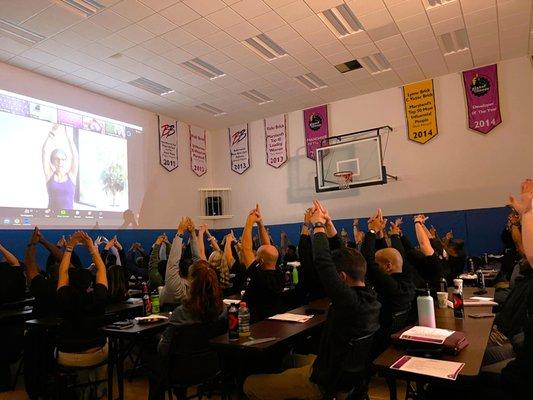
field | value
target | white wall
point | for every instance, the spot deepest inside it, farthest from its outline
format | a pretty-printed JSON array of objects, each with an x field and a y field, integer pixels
[
  {"x": 459, "y": 169},
  {"x": 161, "y": 196}
]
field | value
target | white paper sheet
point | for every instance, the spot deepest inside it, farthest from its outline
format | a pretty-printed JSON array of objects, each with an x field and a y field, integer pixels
[
  {"x": 288, "y": 317},
  {"x": 426, "y": 335},
  {"x": 430, "y": 367}
]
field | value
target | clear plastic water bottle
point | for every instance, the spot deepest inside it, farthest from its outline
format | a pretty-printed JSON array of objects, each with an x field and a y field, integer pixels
[
  {"x": 426, "y": 310},
  {"x": 244, "y": 320}
]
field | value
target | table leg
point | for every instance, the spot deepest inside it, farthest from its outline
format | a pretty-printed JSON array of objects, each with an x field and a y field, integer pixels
[
  {"x": 120, "y": 370},
  {"x": 110, "y": 368}
]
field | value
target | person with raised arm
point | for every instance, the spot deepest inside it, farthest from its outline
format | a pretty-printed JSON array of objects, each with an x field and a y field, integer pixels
[
  {"x": 82, "y": 306},
  {"x": 264, "y": 281},
  {"x": 12, "y": 280},
  {"x": 353, "y": 314},
  {"x": 428, "y": 264}
]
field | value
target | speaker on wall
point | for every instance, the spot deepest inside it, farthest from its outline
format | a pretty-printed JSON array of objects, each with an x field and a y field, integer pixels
[{"x": 213, "y": 205}]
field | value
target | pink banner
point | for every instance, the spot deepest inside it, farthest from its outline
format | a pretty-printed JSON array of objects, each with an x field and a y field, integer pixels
[
  {"x": 198, "y": 148},
  {"x": 316, "y": 128},
  {"x": 276, "y": 140},
  {"x": 482, "y": 98}
]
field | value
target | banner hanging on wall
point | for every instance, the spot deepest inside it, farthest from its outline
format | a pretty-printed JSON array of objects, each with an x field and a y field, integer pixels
[
  {"x": 239, "y": 148},
  {"x": 420, "y": 111},
  {"x": 198, "y": 148},
  {"x": 316, "y": 128},
  {"x": 276, "y": 140},
  {"x": 168, "y": 143},
  {"x": 482, "y": 98}
]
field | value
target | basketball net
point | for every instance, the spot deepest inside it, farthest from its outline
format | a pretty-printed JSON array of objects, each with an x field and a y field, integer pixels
[{"x": 344, "y": 178}]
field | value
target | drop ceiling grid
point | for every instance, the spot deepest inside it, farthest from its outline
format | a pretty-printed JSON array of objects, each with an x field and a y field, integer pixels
[{"x": 153, "y": 37}]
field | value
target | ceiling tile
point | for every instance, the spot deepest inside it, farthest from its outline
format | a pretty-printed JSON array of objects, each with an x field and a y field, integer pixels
[
  {"x": 410, "y": 74},
  {"x": 98, "y": 50},
  {"x": 117, "y": 42},
  {"x": 38, "y": 56},
  {"x": 321, "y": 5},
  {"x": 12, "y": 46},
  {"x": 200, "y": 28},
  {"x": 18, "y": 11},
  {"x": 158, "y": 5},
  {"x": 197, "y": 48},
  {"x": 251, "y": 8},
  {"x": 205, "y": 7},
  {"x": 178, "y": 37},
  {"x": 449, "y": 25},
  {"x": 362, "y": 7},
  {"x": 158, "y": 45},
  {"x": 294, "y": 11},
  {"x": 180, "y": 14},
  {"x": 356, "y": 39},
  {"x": 311, "y": 24},
  {"x": 178, "y": 56},
  {"x": 110, "y": 20},
  {"x": 219, "y": 40},
  {"x": 24, "y": 62},
  {"x": 64, "y": 65},
  {"x": 89, "y": 30},
  {"x": 276, "y": 3},
  {"x": 138, "y": 53},
  {"x": 52, "y": 20},
  {"x": 136, "y": 34},
  {"x": 225, "y": 18},
  {"x": 445, "y": 11},
  {"x": 132, "y": 10},
  {"x": 405, "y": 9},
  {"x": 157, "y": 24},
  {"x": 413, "y": 22},
  {"x": 5, "y": 55},
  {"x": 243, "y": 31},
  {"x": 469, "y": 6},
  {"x": 268, "y": 21}
]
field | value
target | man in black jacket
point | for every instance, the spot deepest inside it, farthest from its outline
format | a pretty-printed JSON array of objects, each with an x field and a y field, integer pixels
[{"x": 353, "y": 314}]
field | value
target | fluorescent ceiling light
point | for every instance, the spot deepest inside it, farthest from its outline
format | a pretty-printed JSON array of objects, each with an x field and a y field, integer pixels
[
  {"x": 215, "y": 112},
  {"x": 376, "y": 63},
  {"x": 265, "y": 47},
  {"x": 86, "y": 7},
  {"x": 151, "y": 86},
  {"x": 257, "y": 97},
  {"x": 19, "y": 33},
  {"x": 341, "y": 20},
  {"x": 453, "y": 42},
  {"x": 311, "y": 81},
  {"x": 203, "y": 68}
]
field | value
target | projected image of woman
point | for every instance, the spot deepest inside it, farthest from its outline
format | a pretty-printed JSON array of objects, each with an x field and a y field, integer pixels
[{"x": 60, "y": 169}]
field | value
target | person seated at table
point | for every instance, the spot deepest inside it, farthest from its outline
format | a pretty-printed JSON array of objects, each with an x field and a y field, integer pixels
[
  {"x": 137, "y": 261},
  {"x": 203, "y": 306},
  {"x": 80, "y": 342},
  {"x": 395, "y": 287},
  {"x": 117, "y": 279},
  {"x": 175, "y": 288},
  {"x": 354, "y": 313},
  {"x": 12, "y": 280},
  {"x": 264, "y": 280}
]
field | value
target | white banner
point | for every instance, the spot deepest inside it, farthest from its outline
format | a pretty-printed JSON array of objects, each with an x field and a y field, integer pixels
[
  {"x": 276, "y": 140},
  {"x": 239, "y": 148},
  {"x": 168, "y": 143},
  {"x": 198, "y": 143}
]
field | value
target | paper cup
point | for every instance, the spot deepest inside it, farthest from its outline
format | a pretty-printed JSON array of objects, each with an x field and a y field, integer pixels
[
  {"x": 458, "y": 283},
  {"x": 442, "y": 298}
]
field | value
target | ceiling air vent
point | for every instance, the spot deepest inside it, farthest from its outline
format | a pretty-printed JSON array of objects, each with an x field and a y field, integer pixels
[
  {"x": 311, "y": 81},
  {"x": 341, "y": 20},
  {"x": 203, "y": 68},
  {"x": 434, "y": 3},
  {"x": 453, "y": 42},
  {"x": 151, "y": 86},
  {"x": 19, "y": 33},
  {"x": 265, "y": 47},
  {"x": 348, "y": 66},
  {"x": 375, "y": 63},
  {"x": 216, "y": 112},
  {"x": 86, "y": 7},
  {"x": 257, "y": 97}
]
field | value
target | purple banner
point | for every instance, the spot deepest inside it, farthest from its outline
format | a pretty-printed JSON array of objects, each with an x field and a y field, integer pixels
[
  {"x": 316, "y": 128},
  {"x": 482, "y": 98}
]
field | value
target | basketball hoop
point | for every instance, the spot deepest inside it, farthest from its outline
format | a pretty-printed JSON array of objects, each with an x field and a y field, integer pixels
[{"x": 344, "y": 178}]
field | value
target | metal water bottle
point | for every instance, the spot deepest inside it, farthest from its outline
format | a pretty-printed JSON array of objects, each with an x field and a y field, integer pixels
[
  {"x": 480, "y": 279},
  {"x": 147, "y": 304},
  {"x": 443, "y": 285}
]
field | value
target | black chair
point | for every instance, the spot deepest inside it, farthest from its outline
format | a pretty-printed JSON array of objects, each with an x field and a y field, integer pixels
[
  {"x": 191, "y": 362},
  {"x": 67, "y": 381},
  {"x": 354, "y": 371}
]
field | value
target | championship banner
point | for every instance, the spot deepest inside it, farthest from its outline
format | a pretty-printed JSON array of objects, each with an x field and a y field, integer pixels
[
  {"x": 316, "y": 128},
  {"x": 168, "y": 143},
  {"x": 276, "y": 140},
  {"x": 482, "y": 98},
  {"x": 420, "y": 111},
  {"x": 239, "y": 148},
  {"x": 198, "y": 148}
]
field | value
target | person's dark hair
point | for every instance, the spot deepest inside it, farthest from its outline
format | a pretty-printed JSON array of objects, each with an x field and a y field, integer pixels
[
  {"x": 351, "y": 262},
  {"x": 457, "y": 245},
  {"x": 110, "y": 260},
  {"x": 117, "y": 285},
  {"x": 80, "y": 278},
  {"x": 437, "y": 246},
  {"x": 205, "y": 297},
  {"x": 162, "y": 268}
]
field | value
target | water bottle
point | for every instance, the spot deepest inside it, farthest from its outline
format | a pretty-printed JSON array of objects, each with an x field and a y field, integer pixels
[
  {"x": 155, "y": 302},
  {"x": 443, "y": 285},
  {"x": 294, "y": 275},
  {"x": 426, "y": 310},
  {"x": 244, "y": 320},
  {"x": 458, "y": 305},
  {"x": 344, "y": 235},
  {"x": 147, "y": 304},
  {"x": 233, "y": 323},
  {"x": 480, "y": 279},
  {"x": 471, "y": 266}
]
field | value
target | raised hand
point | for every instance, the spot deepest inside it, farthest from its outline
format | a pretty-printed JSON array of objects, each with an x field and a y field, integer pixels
[
  {"x": 523, "y": 203},
  {"x": 86, "y": 240},
  {"x": 253, "y": 217},
  {"x": 355, "y": 223},
  {"x": 183, "y": 225},
  {"x": 35, "y": 236},
  {"x": 317, "y": 213},
  {"x": 117, "y": 243},
  {"x": 62, "y": 242},
  {"x": 307, "y": 215},
  {"x": 160, "y": 239},
  {"x": 75, "y": 239},
  {"x": 420, "y": 218},
  {"x": 394, "y": 228}
]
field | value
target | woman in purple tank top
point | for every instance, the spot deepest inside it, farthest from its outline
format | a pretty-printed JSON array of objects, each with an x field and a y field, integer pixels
[{"x": 60, "y": 170}]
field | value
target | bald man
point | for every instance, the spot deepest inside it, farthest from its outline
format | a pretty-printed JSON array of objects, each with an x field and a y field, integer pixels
[{"x": 264, "y": 281}]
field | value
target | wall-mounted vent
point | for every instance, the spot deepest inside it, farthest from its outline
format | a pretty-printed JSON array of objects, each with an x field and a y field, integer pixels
[
  {"x": 257, "y": 97},
  {"x": 376, "y": 63},
  {"x": 453, "y": 42},
  {"x": 348, "y": 66},
  {"x": 86, "y": 7},
  {"x": 203, "y": 68},
  {"x": 215, "y": 112},
  {"x": 311, "y": 81},
  {"x": 265, "y": 47},
  {"x": 19, "y": 33},
  {"x": 341, "y": 20},
  {"x": 151, "y": 86}
]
